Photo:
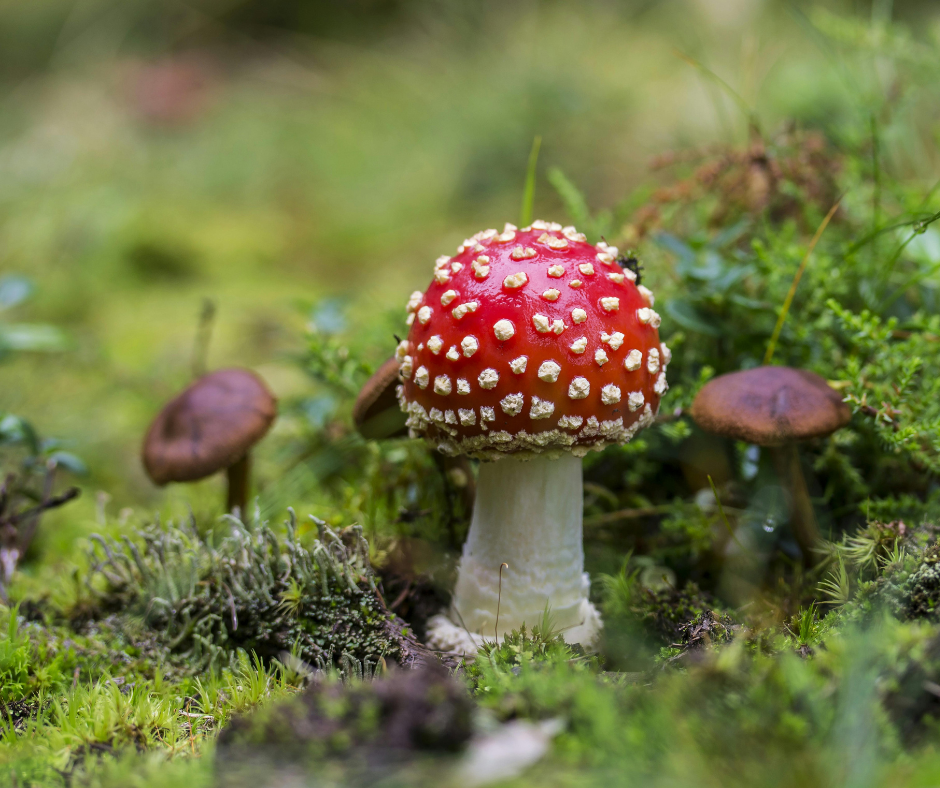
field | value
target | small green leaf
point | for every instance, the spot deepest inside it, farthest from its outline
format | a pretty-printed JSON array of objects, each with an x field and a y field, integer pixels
[
  {"x": 32, "y": 337},
  {"x": 687, "y": 316},
  {"x": 14, "y": 290},
  {"x": 571, "y": 197}
]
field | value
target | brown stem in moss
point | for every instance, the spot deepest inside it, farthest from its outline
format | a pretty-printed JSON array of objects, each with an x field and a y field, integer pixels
[
  {"x": 238, "y": 485},
  {"x": 786, "y": 461}
]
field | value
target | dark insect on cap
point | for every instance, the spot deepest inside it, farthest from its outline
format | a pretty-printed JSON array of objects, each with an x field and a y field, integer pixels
[{"x": 632, "y": 263}]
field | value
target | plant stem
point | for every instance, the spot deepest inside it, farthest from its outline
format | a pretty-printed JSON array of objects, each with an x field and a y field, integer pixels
[{"x": 238, "y": 475}]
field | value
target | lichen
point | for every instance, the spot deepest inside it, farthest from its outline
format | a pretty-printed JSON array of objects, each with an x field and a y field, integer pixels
[{"x": 209, "y": 596}]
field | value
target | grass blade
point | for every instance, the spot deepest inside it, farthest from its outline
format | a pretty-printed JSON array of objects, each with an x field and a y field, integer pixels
[
  {"x": 771, "y": 346},
  {"x": 528, "y": 195}
]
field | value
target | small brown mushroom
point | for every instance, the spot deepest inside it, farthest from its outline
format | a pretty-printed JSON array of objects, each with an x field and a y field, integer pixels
[
  {"x": 376, "y": 413},
  {"x": 775, "y": 407},
  {"x": 377, "y": 416},
  {"x": 211, "y": 426}
]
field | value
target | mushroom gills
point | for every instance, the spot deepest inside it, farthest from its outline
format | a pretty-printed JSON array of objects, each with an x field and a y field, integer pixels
[{"x": 528, "y": 515}]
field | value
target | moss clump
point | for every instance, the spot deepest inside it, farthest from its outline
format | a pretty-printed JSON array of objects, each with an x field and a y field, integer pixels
[
  {"x": 358, "y": 730},
  {"x": 920, "y": 592},
  {"x": 207, "y": 597},
  {"x": 684, "y": 617}
]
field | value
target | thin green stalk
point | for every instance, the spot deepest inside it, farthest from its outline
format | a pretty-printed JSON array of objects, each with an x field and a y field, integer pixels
[
  {"x": 724, "y": 517},
  {"x": 528, "y": 195},
  {"x": 771, "y": 346},
  {"x": 919, "y": 276},
  {"x": 876, "y": 177},
  {"x": 750, "y": 114}
]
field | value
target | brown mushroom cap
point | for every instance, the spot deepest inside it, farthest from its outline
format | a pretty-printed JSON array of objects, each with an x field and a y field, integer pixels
[
  {"x": 208, "y": 427},
  {"x": 376, "y": 413},
  {"x": 770, "y": 406}
]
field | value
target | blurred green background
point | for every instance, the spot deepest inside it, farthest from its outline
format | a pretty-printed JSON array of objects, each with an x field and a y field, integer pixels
[{"x": 308, "y": 161}]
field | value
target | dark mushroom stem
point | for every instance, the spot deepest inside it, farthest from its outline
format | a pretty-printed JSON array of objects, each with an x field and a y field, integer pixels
[
  {"x": 786, "y": 462},
  {"x": 238, "y": 475}
]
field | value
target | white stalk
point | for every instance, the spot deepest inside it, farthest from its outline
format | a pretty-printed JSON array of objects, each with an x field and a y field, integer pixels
[{"x": 528, "y": 515}]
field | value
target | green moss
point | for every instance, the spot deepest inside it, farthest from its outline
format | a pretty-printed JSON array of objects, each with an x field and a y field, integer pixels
[{"x": 206, "y": 598}]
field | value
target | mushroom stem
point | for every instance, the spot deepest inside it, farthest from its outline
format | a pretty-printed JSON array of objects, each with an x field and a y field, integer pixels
[
  {"x": 238, "y": 474},
  {"x": 786, "y": 461},
  {"x": 527, "y": 514}
]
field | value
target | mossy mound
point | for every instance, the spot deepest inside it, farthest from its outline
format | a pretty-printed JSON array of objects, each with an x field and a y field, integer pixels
[
  {"x": 359, "y": 732},
  {"x": 207, "y": 597}
]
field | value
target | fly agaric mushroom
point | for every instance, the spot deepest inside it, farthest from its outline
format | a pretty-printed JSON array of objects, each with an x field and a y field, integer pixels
[
  {"x": 775, "y": 407},
  {"x": 531, "y": 347},
  {"x": 211, "y": 426}
]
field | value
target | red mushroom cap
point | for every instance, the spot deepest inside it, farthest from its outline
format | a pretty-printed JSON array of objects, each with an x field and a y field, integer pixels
[{"x": 531, "y": 340}]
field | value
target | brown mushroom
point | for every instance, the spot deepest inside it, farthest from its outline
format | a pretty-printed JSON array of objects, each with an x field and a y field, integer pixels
[
  {"x": 775, "y": 407},
  {"x": 376, "y": 413},
  {"x": 377, "y": 416},
  {"x": 211, "y": 426}
]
